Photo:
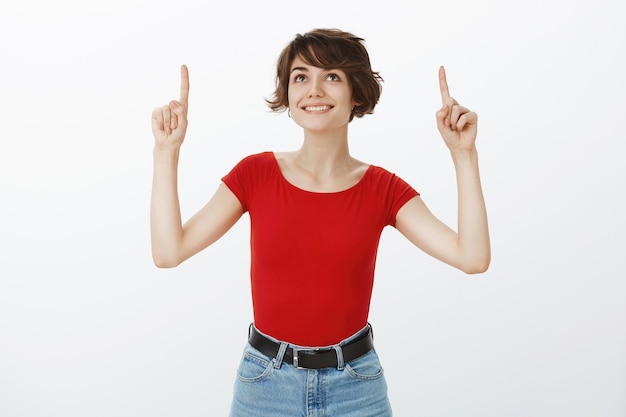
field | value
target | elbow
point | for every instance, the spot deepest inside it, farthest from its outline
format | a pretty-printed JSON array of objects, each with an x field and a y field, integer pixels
[
  {"x": 475, "y": 270},
  {"x": 164, "y": 262},
  {"x": 164, "y": 265},
  {"x": 477, "y": 266}
]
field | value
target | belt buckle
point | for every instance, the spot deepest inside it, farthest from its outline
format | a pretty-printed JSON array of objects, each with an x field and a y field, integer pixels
[
  {"x": 296, "y": 356},
  {"x": 295, "y": 363}
]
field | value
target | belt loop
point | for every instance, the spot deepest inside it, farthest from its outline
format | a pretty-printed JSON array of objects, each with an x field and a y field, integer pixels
[
  {"x": 278, "y": 361},
  {"x": 339, "y": 352}
]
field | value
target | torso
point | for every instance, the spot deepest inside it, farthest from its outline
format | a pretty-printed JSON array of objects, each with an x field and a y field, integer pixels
[{"x": 313, "y": 249}]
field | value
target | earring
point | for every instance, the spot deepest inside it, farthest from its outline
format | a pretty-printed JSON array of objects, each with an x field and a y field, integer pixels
[{"x": 289, "y": 113}]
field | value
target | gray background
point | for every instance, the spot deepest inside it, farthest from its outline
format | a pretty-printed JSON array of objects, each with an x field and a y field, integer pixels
[{"x": 89, "y": 327}]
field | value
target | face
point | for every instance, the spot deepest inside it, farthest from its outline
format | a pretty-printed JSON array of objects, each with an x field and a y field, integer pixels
[{"x": 319, "y": 99}]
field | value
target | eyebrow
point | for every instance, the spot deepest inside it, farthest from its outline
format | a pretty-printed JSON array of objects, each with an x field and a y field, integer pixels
[{"x": 298, "y": 69}]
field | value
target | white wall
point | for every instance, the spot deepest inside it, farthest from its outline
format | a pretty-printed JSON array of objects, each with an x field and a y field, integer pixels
[{"x": 89, "y": 327}]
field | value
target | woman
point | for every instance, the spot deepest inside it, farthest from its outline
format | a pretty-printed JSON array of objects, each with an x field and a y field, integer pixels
[{"x": 316, "y": 217}]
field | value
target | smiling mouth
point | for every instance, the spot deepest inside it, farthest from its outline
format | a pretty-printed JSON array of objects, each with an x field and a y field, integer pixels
[{"x": 317, "y": 108}]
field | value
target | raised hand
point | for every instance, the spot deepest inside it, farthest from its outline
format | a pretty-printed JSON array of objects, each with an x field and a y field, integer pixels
[
  {"x": 169, "y": 122},
  {"x": 457, "y": 124}
]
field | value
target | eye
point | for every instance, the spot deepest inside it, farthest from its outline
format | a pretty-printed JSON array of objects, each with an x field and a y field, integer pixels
[
  {"x": 299, "y": 78},
  {"x": 333, "y": 77}
]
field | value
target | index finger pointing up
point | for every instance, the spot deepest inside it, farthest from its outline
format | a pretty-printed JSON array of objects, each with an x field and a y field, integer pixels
[
  {"x": 184, "y": 86},
  {"x": 443, "y": 85}
]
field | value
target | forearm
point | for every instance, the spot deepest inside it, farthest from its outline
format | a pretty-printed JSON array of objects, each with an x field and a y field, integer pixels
[
  {"x": 473, "y": 231},
  {"x": 165, "y": 219}
]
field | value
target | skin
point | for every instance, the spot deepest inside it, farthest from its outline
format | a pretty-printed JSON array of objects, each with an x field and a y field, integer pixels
[
  {"x": 322, "y": 164},
  {"x": 468, "y": 249}
]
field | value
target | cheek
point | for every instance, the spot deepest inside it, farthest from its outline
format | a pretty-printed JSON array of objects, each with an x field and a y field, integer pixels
[
  {"x": 292, "y": 97},
  {"x": 290, "y": 94}
]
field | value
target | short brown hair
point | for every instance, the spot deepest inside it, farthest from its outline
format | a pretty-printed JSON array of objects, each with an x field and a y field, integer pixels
[{"x": 330, "y": 49}]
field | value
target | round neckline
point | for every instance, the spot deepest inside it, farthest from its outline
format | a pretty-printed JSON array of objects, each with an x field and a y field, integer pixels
[{"x": 295, "y": 187}]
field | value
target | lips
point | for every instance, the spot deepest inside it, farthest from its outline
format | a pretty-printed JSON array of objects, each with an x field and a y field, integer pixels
[{"x": 317, "y": 108}]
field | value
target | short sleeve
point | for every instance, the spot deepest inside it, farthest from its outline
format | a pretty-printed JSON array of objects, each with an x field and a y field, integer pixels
[
  {"x": 238, "y": 181},
  {"x": 400, "y": 193},
  {"x": 391, "y": 191}
]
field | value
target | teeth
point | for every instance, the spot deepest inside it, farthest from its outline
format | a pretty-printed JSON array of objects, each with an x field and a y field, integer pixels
[{"x": 316, "y": 108}]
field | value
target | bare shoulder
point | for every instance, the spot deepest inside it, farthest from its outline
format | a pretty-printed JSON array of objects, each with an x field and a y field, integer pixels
[
  {"x": 286, "y": 165},
  {"x": 359, "y": 167},
  {"x": 285, "y": 159}
]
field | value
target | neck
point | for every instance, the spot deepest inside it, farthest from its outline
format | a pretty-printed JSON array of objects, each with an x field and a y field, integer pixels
[{"x": 325, "y": 155}]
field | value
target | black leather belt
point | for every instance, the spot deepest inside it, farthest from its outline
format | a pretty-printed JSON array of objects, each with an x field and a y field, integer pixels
[{"x": 313, "y": 358}]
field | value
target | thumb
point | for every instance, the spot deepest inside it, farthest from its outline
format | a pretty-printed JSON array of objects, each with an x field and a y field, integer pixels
[
  {"x": 177, "y": 108},
  {"x": 443, "y": 121},
  {"x": 180, "y": 112}
]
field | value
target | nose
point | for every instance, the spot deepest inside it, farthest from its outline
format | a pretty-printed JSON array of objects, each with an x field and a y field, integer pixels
[{"x": 315, "y": 89}]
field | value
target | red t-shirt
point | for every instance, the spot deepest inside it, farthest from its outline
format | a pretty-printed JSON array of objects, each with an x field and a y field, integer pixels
[{"x": 313, "y": 254}]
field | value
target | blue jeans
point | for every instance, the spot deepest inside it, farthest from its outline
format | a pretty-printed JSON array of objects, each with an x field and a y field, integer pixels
[{"x": 267, "y": 386}]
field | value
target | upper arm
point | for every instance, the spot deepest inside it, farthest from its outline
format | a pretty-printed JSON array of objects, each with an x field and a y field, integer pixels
[
  {"x": 416, "y": 222},
  {"x": 210, "y": 223}
]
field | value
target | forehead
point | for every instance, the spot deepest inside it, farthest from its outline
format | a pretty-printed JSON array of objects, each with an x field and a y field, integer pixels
[{"x": 299, "y": 63}]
